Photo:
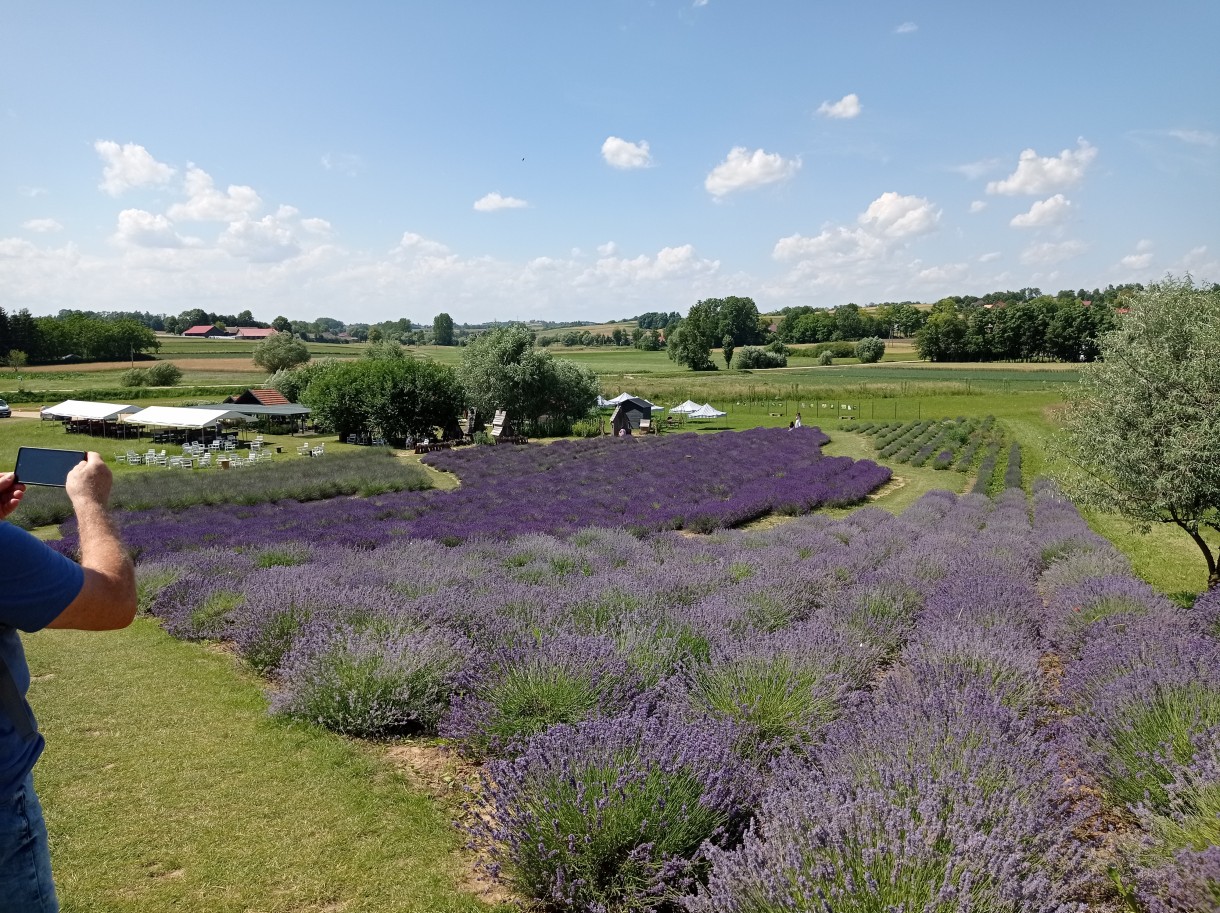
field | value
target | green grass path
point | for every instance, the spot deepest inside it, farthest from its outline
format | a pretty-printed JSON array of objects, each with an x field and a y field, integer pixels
[{"x": 167, "y": 787}]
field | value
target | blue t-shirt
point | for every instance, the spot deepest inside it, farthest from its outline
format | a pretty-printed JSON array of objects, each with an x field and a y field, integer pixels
[{"x": 36, "y": 585}]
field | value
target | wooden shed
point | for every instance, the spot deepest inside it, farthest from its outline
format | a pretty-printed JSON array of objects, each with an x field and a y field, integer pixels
[{"x": 629, "y": 414}]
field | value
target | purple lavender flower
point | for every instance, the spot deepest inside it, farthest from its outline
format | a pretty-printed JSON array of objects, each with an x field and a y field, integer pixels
[
  {"x": 1188, "y": 884},
  {"x": 617, "y": 813},
  {"x": 371, "y": 681},
  {"x": 941, "y": 802},
  {"x": 522, "y": 690}
]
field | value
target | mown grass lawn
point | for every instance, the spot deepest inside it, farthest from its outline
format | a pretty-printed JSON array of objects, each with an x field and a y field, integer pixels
[{"x": 166, "y": 786}]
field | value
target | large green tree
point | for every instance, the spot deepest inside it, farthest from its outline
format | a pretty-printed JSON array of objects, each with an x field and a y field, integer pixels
[
  {"x": 1143, "y": 429},
  {"x": 399, "y": 397},
  {"x": 280, "y": 351},
  {"x": 691, "y": 342},
  {"x": 442, "y": 330},
  {"x": 502, "y": 369}
]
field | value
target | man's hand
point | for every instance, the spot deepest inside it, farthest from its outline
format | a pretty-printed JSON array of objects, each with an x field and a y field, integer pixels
[
  {"x": 89, "y": 482},
  {"x": 10, "y": 493}
]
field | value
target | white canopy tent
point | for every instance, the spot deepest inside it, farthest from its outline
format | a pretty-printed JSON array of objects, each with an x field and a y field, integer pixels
[
  {"x": 707, "y": 410},
  {"x": 84, "y": 409},
  {"x": 623, "y": 397},
  {"x": 182, "y": 417},
  {"x": 687, "y": 407}
]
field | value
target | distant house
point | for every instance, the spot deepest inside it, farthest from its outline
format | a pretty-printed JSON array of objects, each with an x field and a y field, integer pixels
[
  {"x": 205, "y": 330},
  {"x": 255, "y": 332},
  {"x": 259, "y": 396}
]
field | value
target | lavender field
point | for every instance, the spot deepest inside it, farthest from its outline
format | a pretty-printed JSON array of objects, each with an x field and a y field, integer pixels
[
  {"x": 676, "y": 481},
  {"x": 973, "y": 706}
]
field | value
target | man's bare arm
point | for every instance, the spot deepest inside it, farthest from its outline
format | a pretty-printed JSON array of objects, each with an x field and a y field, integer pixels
[{"x": 108, "y": 598}]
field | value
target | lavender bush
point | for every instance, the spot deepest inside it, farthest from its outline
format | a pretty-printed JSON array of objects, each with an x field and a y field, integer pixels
[
  {"x": 939, "y": 801},
  {"x": 616, "y": 814},
  {"x": 1189, "y": 884},
  {"x": 371, "y": 681},
  {"x": 525, "y": 689}
]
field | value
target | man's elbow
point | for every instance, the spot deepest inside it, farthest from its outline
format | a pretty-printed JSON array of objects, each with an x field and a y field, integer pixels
[
  {"x": 122, "y": 603},
  {"x": 106, "y": 603}
]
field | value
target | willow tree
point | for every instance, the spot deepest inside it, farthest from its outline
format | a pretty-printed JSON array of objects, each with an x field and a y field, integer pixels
[{"x": 1143, "y": 428}]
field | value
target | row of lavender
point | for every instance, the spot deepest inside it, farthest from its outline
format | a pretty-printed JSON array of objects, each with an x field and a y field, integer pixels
[
  {"x": 699, "y": 482},
  {"x": 843, "y": 715},
  {"x": 1143, "y": 680}
]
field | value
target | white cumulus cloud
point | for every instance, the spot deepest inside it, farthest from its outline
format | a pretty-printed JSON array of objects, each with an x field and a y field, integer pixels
[
  {"x": 137, "y": 228},
  {"x": 845, "y": 108},
  {"x": 977, "y": 206},
  {"x": 41, "y": 225},
  {"x": 745, "y": 170},
  {"x": 494, "y": 201},
  {"x": 1037, "y": 174},
  {"x": 895, "y": 216},
  {"x": 266, "y": 240},
  {"x": 681, "y": 262},
  {"x": 870, "y": 253},
  {"x": 1049, "y": 252},
  {"x": 906, "y": 28},
  {"x": 619, "y": 153},
  {"x": 416, "y": 245},
  {"x": 207, "y": 204},
  {"x": 1141, "y": 259},
  {"x": 1051, "y": 211},
  {"x": 129, "y": 166}
]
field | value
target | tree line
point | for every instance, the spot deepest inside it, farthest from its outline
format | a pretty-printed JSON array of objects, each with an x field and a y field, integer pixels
[
  {"x": 1042, "y": 328},
  {"x": 42, "y": 340}
]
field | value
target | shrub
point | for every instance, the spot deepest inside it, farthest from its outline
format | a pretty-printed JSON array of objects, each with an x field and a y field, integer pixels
[
  {"x": 937, "y": 802},
  {"x": 586, "y": 427},
  {"x": 870, "y": 349},
  {"x": 616, "y": 814},
  {"x": 528, "y": 688},
  {"x": 367, "y": 681},
  {"x": 751, "y": 357},
  {"x": 826, "y": 359},
  {"x": 162, "y": 374},
  {"x": 1187, "y": 885},
  {"x": 1143, "y": 727},
  {"x": 779, "y": 702}
]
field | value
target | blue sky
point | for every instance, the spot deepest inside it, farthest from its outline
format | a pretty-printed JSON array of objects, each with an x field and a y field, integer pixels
[{"x": 582, "y": 160}]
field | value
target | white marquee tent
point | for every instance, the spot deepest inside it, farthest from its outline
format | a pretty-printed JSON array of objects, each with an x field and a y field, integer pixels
[
  {"x": 707, "y": 410},
  {"x": 687, "y": 407},
  {"x": 623, "y": 397},
  {"x": 182, "y": 417},
  {"x": 83, "y": 409}
]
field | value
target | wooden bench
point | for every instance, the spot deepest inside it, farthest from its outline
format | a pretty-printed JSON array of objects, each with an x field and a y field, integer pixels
[{"x": 438, "y": 445}]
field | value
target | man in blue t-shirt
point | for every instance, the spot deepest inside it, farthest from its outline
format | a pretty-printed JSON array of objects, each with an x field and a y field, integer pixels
[{"x": 40, "y": 588}]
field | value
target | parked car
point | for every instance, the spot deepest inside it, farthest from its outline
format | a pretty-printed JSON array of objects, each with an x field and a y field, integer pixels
[{"x": 5, "y": 411}]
